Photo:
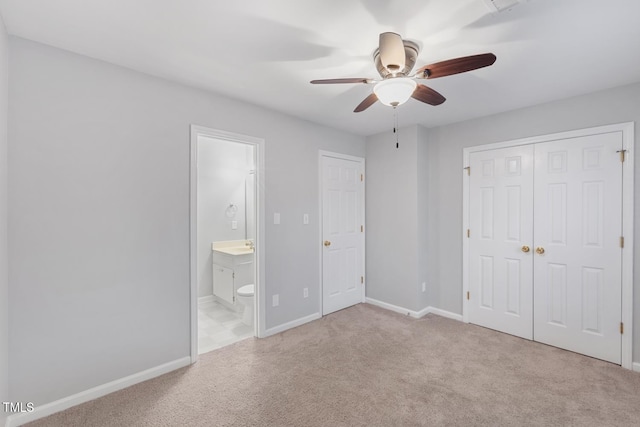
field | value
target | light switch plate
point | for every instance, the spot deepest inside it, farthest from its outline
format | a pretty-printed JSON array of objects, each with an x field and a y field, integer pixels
[
  {"x": 276, "y": 300},
  {"x": 305, "y": 219},
  {"x": 276, "y": 218}
]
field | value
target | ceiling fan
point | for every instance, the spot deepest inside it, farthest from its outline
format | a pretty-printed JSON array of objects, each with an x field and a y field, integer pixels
[{"x": 394, "y": 58}]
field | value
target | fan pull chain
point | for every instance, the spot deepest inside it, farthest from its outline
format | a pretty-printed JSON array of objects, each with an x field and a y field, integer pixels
[{"x": 395, "y": 125}]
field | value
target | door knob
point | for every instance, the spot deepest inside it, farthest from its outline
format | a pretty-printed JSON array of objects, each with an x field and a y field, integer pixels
[
  {"x": 327, "y": 243},
  {"x": 525, "y": 249},
  {"x": 539, "y": 250}
]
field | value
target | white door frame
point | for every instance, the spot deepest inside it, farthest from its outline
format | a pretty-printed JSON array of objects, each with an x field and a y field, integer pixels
[
  {"x": 321, "y": 154},
  {"x": 259, "y": 144},
  {"x": 627, "y": 130}
]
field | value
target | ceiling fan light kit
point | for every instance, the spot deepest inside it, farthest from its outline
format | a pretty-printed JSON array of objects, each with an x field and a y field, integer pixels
[
  {"x": 394, "y": 60},
  {"x": 396, "y": 91}
]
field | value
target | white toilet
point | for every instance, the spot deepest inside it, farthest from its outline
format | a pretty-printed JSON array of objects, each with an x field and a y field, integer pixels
[{"x": 245, "y": 297}]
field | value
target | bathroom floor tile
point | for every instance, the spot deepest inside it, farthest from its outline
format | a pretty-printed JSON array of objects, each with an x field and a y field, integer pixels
[
  {"x": 232, "y": 323},
  {"x": 223, "y": 336},
  {"x": 219, "y": 326},
  {"x": 242, "y": 330},
  {"x": 224, "y": 317},
  {"x": 205, "y": 341},
  {"x": 212, "y": 329}
]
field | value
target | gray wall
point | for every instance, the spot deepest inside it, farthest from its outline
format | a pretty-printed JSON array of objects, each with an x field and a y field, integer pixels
[
  {"x": 4, "y": 275},
  {"x": 445, "y": 146},
  {"x": 396, "y": 231},
  {"x": 99, "y": 216},
  {"x": 223, "y": 167},
  {"x": 424, "y": 179}
]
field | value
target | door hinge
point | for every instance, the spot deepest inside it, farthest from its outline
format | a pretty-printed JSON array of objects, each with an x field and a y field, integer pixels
[
  {"x": 468, "y": 295},
  {"x": 361, "y": 279},
  {"x": 621, "y": 328},
  {"x": 468, "y": 169},
  {"x": 621, "y": 155},
  {"x": 361, "y": 177},
  {"x": 233, "y": 275},
  {"x": 468, "y": 233},
  {"x": 362, "y": 228},
  {"x": 622, "y": 241}
]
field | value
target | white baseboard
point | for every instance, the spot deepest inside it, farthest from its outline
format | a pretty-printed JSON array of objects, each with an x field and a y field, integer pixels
[
  {"x": 412, "y": 313},
  {"x": 445, "y": 313},
  {"x": 396, "y": 308},
  {"x": 292, "y": 324},
  {"x": 94, "y": 393},
  {"x": 207, "y": 298},
  {"x": 636, "y": 366}
]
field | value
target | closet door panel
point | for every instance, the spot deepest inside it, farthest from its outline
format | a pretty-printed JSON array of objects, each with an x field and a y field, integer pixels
[
  {"x": 578, "y": 224},
  {"x": 501, "y": 220}
]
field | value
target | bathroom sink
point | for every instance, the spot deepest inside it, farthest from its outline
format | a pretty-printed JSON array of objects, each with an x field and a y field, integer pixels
[
  {"x": 233, "y": 247},
  {"x": 237, "y": 250}
]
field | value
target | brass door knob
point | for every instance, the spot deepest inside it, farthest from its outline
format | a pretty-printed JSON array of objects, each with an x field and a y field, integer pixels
[
  {"x": 525, "y": 249},
  {"x": 327, "y": 243},
  {"x": 539, "y": 250}
]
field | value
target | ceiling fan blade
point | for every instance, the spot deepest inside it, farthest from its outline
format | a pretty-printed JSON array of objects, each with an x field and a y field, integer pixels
[
  {"x": 456, "y": 66},
  {"x": 334, "y": 81},
  {"x": 368, "y": 102},
  {"x": 392, "y": 54},
  {"x": 427, "y": 95}
]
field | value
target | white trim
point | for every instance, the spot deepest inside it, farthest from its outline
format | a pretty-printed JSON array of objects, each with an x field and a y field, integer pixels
[
  {"x": 361, "y": 161},
  {"x": 341, "y": 156},
  {"x": 421, "y": 313},
  {"x": 628, "y": 169},
  {"x": 205, "y": 299},
  {"x": 396, "y": 308},
  {"x": 94, "y": 393},
  {"x": 597, "y": 130},
  {"x": 444, "y": 313},
  {"x": 628, "y": 140},
  {"x": 412, "y": 313},
  {"x": 465, "y": 240},
  {"x": 292, "y": 324},
  {"x": 636, "y": 366},
  {"x": 259, "y": 144}
]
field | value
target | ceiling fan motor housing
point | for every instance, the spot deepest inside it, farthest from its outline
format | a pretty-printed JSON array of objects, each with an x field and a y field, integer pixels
[{"x": 411, "y": 50}]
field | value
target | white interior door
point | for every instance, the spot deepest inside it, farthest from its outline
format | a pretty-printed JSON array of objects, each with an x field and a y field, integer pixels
[
  {"x": 578, "y": 224},
  {"x": 501, "y": 237},
  {"x": 562, "y": 199},
  {"x": 343, "y": 233}
]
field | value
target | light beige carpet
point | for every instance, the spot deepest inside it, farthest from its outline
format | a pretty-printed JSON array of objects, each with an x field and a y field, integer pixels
[{"x": 365, "y": 366}]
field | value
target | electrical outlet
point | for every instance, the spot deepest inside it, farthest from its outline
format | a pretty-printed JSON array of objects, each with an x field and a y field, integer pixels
[
  {"x": 276, "y": 300},
  {"x": 234, "y": 225},
  {"x": 424, "y": 286},
  {"x": 305, "y": 292}
]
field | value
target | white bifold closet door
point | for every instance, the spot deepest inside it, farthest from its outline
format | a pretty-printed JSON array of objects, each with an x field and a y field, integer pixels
[
  {"x": 501, "y": 225},
  {"x": 545, "y": 255},
  {"x": 578, "y": 224}
]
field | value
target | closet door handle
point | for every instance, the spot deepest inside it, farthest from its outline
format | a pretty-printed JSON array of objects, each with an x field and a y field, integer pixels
[
  {"x": 525, "y": 249},
  {"x": 327, "y": 243},
  {"x": 539, "y": 250}
]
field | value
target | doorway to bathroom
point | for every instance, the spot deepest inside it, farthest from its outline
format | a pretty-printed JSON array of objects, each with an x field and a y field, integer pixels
[{"x": 226, "y": 238}]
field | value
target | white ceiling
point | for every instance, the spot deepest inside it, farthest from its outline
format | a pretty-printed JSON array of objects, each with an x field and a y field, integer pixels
[{"x": 266, "y": 51}]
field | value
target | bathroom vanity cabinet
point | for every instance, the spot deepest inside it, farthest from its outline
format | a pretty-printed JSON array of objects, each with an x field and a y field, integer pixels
[{"x": 231, "y": 270}]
